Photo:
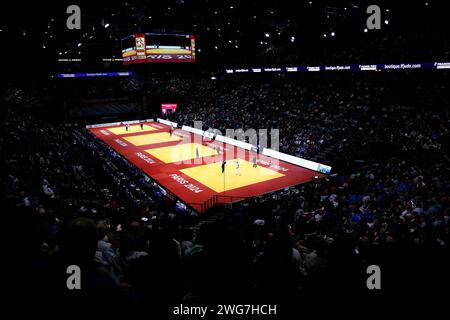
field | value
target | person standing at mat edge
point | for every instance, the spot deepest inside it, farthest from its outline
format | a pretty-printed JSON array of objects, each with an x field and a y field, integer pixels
[
  {"x": 223, "y": 166},
  {"x": 127, "y": 126},
  {"x": 254, "y": 162},
  {"x": 170, "y": 131},
  {"x": 238, "y": 168},
  {"x": 142, "y": 126},
  {"x": 197, "y": 154}
]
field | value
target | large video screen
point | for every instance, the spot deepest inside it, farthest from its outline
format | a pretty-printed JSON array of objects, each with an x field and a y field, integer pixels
[
  {"x": 168, "y": 108},
  {"x": 158, "y": 48}
]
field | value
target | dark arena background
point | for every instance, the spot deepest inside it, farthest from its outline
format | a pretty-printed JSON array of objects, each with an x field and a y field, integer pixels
[{"x": 206, "y": 159}]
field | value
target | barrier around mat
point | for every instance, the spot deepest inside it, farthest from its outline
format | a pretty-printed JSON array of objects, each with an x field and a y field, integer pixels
[
  {"x": 315, "y": 166},
  {"x": 167, "y": 122},
  {"x": 192, "y": 130},
  {"x": 117, "y": 123},
  {"x": 208, "y": 135},
  {"x": 234, "y": 142}
]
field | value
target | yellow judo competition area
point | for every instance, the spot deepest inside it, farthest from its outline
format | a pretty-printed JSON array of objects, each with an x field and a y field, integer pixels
[
  {"x": 131, "y": 129},
  {"x": 238, "y": 172},
  {"x": 211, "y": 175},
  {"x": 181, "y": 153},
  {"x": 152, "y": 138}
]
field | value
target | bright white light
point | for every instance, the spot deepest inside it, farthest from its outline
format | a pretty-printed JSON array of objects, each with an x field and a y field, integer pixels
[
  {"x": 267, "y": 34},
  {"x": 333, "y": 34},
  {"x": 292, "y": 39},
  {"x": 106, "y": 25},
  {"x": 213, "y": 78},
  {"x": 79, "y": 45},
  {"x": 386, "y": 21},
  {"x": 366, "y": 30},
  {"x": 43, "y": 47},
  {"x": 324, "y": 35},
  {"x": 215, "y": 47}
]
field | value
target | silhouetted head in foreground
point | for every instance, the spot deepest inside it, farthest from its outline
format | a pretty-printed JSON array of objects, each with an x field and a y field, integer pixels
[{"x": 79, "y": 240}]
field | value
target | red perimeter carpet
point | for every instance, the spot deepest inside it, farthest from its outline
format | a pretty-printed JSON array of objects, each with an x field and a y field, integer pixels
[{"x": 189, "y": 190}]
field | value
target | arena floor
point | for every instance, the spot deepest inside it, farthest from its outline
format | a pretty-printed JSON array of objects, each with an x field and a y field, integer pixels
[{"x": 190, "y": 167}]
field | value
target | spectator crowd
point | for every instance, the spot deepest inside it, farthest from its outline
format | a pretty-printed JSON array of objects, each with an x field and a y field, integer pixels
[{"x": 388, "y": 202}]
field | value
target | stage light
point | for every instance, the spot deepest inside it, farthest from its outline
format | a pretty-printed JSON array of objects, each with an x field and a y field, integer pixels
[
  {"x": 386, "y": 21},
  {"x": 106, "y": 25},
  {"x": 366, "y": 30},
  {"x": 333, "y": 34}
]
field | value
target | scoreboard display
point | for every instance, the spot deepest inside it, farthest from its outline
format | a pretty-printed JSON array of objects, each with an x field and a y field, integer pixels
[{"x": 158, "y": 48}]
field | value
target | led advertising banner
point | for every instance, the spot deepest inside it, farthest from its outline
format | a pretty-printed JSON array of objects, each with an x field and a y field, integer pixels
[{"x": 350, "y": 67}]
